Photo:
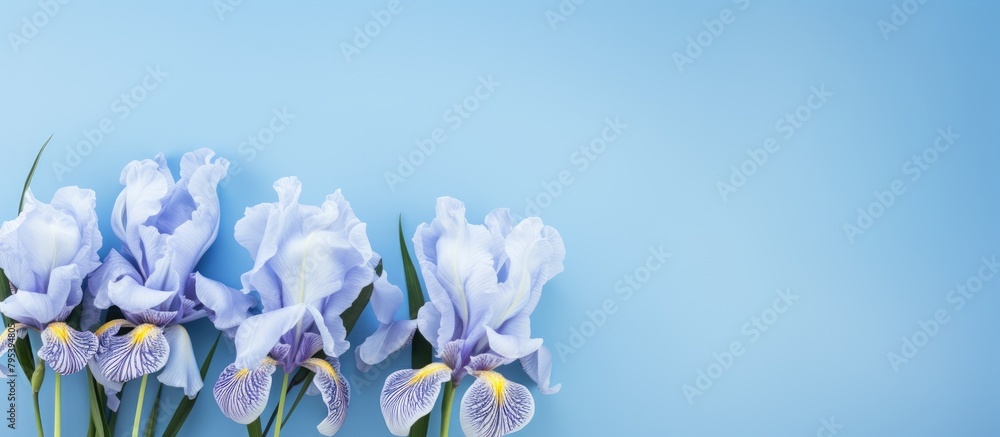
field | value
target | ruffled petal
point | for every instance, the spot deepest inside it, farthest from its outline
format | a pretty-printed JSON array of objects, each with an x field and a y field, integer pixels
[
  {"x": 495, "y": 407},
  {"x": 386, "y": 299},
  {"x": 335, "y": 390},
  {"x": 142, "y": 351},
  {"x": 385, "y": 340},
  {"x": 258, "y": 334},
  {"x": 512, "y": 346},
  {"x": 484, "y": 362},
  {"x": 65, "y": 349},
  {"x": 536, "y": 254},
  {"x": 457, "y": 262},
  {"x": 538, "y": 366},
  {"x": 227, "y": 306},
  {"x": 147, "y": 183},
  {"x": 182, "y": 369},
  {"x": 410, "y": 394},
  {"x": 132, "y": 296},
  {"x": 242, "y": 393},
  {"x": 81, "y": 204},
  {"x": 114, "y": 268},
  {"x": 190, "y": 239}
]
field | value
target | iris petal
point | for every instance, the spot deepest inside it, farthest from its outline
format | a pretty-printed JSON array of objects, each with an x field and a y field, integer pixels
[
  {"x": 142, "y": 351},
  {"x": 410, "y": 394},
  {"x": 335, "y": 390},
  {"x": 538, "y": 366},
  {"x": 495, "y": 407},
  {"x": 512, "y": 346},
  {"x": 242, "y": 393},
  {"x": 181, "y": 369},
  {"x": 65, "y": 349},
  {"x": 384, "y": 341}
]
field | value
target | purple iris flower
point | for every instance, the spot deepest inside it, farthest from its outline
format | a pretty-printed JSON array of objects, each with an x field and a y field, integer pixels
[
  {"x": 46, "y": 252},
  {"x": 165, "y": 227},
  {"x": 484, "y": 281},
  {"x": 310, "y": 264}
]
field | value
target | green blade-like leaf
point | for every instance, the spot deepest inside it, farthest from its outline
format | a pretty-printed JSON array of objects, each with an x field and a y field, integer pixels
[
  {"x": 186, "y": 405},
  {"x": 31, "y": 174},
  {"x": 421, "y": 352},
  {"x": 151, "y": 421},
  {"x": 97, "y": 419},
  {"x": 253, "y": 429}
]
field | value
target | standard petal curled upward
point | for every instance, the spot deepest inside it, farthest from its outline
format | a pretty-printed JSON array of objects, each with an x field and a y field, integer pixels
[
  {"x": 242, "y": 393},
  {"x": 65, "y": 349},
  {"x": 495, "y": 407},
  {"x": 410, "y": 394}
]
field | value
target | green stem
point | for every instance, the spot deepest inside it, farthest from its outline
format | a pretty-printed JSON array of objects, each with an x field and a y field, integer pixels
[
  {"x": 58, "y": 407},
  {"x": 449, "y": 396},
  {"x": 281, "y": 406},
  {"x": 138, "y": 406},
  {"x": 38, "y": 415}
]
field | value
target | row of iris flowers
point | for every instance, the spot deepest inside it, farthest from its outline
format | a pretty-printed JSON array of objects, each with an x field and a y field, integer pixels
[{"x": 123, "y": 318}]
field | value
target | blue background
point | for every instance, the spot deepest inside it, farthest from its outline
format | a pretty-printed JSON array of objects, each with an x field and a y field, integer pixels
[{"x": 654, "y": 186}]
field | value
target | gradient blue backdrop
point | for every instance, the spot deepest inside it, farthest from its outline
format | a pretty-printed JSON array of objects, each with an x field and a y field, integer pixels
[{"x": 654, "y": 186}]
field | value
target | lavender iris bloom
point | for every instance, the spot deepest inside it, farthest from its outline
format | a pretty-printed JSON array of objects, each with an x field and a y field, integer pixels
[
  {"x": 165, "y": 228},
  {"x": 310, "y": 264},
  {"x": 46, "y": 252},
  {"x": 483, "y": 282}
]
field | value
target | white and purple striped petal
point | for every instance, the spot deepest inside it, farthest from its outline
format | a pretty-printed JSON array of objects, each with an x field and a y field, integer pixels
[
  {"x": 142, "y": 351},
  {"x": 242, "y": 392},
  {"x": 410, "y": 394},
  {"x": 66, "y": 350},
  {"x": 335, "y": 391},
  {"x": 495, "y": 407}
]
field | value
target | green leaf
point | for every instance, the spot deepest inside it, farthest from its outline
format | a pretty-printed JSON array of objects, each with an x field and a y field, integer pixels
[
  {"x": 421, "y": 351},
  {"x": 31, "y": 174},
  {"x": 151, "y": 421},
  {"x": 350, "y": 317},
  {"x": 97, "y": 420},
  {"x": 186, "y": 405},
  {"x": 253, "y": 429}
]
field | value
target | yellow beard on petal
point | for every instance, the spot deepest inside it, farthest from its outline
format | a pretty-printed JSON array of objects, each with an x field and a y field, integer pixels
[
  {"x": 142, "y": 331},
  {"x": 427, "y": 371},
  {"x": 60, "y": 330},
  {"x": 497, "y": 382}
]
